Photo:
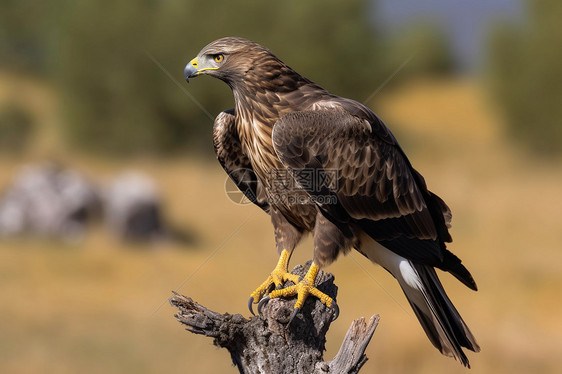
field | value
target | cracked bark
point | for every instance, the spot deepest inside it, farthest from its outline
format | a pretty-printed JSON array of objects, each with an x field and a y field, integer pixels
[{"x": 265, "y": 344}]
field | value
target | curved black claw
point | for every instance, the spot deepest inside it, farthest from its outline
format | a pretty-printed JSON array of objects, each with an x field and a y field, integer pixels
[
  {"x": 262, "y": 303},
  {"x": 336, "y": 310},
  {"x": 250, "y": 302},
  {"x": 293, "y": 315}
]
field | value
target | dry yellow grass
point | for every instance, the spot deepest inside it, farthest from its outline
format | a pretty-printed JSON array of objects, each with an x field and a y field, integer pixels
[{"x": 100, "y": 306}]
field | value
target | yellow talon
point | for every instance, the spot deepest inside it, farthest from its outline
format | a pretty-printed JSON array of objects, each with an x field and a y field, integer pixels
[{"x": 304, "y": 288}]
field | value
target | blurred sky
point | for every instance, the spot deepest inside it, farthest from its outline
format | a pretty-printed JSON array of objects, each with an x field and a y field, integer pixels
[{"x": 466, "y": 22}]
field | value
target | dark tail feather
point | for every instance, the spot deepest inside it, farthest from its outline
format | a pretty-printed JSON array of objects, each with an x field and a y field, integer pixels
[
  {"x": 439, "y": 318},
  {"x": 453, "y": 265}
]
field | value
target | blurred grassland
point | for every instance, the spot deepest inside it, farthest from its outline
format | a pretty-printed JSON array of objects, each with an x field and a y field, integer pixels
[{"x": 100, "y": 305}]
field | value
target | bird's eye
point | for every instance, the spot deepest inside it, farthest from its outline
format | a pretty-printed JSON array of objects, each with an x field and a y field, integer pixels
[{"x": 218, "y": 58}]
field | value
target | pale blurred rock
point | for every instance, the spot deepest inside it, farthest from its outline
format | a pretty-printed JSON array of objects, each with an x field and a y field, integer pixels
[
  {"x": 133, "y": 207},
  {"x": 47, "y": 200},
  {"x": 51, "y": 201}
]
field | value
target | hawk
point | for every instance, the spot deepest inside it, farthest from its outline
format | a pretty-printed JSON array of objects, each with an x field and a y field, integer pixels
[{"x": 323, "y": 164}]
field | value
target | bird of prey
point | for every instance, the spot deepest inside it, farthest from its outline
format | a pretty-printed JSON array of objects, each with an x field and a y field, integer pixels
[{"x": 322, "y": 164}]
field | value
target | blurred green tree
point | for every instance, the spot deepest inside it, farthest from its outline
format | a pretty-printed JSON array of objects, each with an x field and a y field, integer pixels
[
  {"x": 525, "y": 74},
  {"x": 422, "y": 49},
  {"x": 28, "y": 37},
  {"x": 119, "y": 65}
]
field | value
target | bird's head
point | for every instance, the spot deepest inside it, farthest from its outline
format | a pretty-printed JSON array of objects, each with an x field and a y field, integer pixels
[{"x": 227, "y": 59}]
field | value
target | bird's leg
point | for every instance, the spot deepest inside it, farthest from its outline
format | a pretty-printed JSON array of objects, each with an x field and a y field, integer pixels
[
  {"x": 303, "y": 288},
  {"x": 288, "y": 236},
  {"x": 278, "y": 277}
]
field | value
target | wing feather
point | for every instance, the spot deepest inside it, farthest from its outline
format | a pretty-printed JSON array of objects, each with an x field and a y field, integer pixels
[
  {"x": 376, "y": 186},
  {"x": 234, "y": 161}
]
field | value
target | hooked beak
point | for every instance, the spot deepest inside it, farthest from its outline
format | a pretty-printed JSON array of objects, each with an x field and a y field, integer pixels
[{"x": 190, "y": 69}]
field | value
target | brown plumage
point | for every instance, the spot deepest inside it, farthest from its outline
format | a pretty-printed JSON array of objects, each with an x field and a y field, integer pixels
[{"x": 323, "y": 164}]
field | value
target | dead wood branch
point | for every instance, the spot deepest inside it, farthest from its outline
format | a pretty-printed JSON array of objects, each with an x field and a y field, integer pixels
[{"x": 267, "y": 344}]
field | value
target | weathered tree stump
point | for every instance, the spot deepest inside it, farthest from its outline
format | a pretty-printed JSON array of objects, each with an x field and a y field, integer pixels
[{"x": 268, "y": 344}]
